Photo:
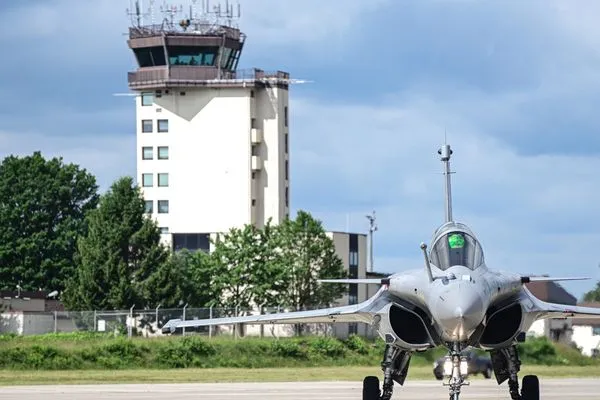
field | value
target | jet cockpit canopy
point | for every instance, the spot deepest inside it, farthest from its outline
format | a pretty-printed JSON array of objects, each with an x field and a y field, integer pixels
[{"x": 455, "y": 244}]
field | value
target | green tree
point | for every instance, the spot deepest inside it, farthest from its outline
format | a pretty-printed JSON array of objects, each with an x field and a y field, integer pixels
[
  {"x": 119, "y": 254},
  {"x": 42, "y": 213},
  {"x": 593, "y": 295},
  {"x": 186, "y": 278},
  {"x": 309, "y": 255},
  {"x": 247, "y": 270}
]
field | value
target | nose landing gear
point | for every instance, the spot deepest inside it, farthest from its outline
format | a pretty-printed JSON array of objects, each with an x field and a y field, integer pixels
[{"x": 456, "y": 368}]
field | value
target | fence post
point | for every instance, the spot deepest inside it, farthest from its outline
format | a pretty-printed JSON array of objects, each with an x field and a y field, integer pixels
[
  {"x": 210, "y": 326},
  {"x": 94, "y": 320},
  {"x": 55, "y": 321},
  {"x": 130, "y": 324},
  {"x": 235, "y": 326},
  {"x": 262, "y": 327},
  {"x": 157, "y": 327},
  {"x": 183, "y": 329}
]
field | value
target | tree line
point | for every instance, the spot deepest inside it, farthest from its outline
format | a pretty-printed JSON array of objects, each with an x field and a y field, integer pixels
[{"x": 103, "y": 252}]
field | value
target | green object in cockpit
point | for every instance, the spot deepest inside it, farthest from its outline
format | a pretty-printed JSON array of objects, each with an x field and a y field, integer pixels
[{"x": 456, "y": 241}]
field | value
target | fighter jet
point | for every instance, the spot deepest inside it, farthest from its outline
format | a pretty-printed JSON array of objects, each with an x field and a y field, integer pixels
[{"x": 455, "y": 301}]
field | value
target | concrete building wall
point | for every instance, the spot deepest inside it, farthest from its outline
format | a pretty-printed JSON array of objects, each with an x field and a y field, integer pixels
[
  {"x": 22, "y": 304},
  {"x": 587, "y": 337},
  {"x": 538, "y": 328},
  {"x": 352, "y": 250},
  {"x": 226, "y": 157}
]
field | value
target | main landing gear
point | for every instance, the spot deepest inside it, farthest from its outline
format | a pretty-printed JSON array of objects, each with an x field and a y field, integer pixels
[
  {"x": 505, "y": 361},
  {"x": 506, "y": 367},
  {"x": 395, "y": 367}
]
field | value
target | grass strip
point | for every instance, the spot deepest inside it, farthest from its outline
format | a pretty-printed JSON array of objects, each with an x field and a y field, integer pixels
[{"x": 222, "y": 375}]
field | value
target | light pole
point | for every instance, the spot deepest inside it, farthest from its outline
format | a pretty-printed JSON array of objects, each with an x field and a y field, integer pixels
[{"x": 372, "y": 229}]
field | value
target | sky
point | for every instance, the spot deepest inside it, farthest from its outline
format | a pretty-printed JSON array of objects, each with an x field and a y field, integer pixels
[{"x": 512, "y": 86}]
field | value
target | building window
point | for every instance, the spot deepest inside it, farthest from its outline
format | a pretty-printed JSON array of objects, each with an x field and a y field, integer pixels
[
  {"x": 163, "y": 125},
  {"x": 254, "y": 149},
  {"x": 253, "y": 123},
  {"x": 353, "y": 259},
  {"x": 352, "y": 328},
  {"x": 285, "y": 116},
  {"x": 149, "y": 206},
  {"x": 286, "y": 143},
  {"x": 287, "y": 173},
  {"x": 252, "y": 93},
  {"x": 146, "y": 125},
  {"x": 147, "y": 180},
  {"x": 147, "y": 99},
  {"x": 163, "y": 206},
  {"x": 163, "y": 179},
  {"x": 163, "y": 152},
  {"x": 253, "y": 202},
  {"x": 287, "y": 200},
  {"x": 353, "y": 294},
  {"x": 596, "y": 330},
  {"x": 191, "y": 241},
  {"x": 147, "y": 153},
  {"x": 164, "y": 230},
  {"x": 253, "y": 175}
]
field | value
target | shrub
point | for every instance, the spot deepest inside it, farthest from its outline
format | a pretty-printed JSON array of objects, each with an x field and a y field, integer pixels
[{"x": 91, "y": 351}]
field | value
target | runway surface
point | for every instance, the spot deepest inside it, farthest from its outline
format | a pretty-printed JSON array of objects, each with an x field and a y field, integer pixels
[{"x": 580, "y": 389}]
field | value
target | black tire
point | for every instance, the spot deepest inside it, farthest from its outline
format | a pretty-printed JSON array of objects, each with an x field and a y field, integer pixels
[
  {"x": 530, "y": 388},
  {"x": 371, "y": 388}
]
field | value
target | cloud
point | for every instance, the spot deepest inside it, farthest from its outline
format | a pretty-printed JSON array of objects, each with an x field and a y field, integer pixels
[
  {"x": 533, "y": 212},
  {"x": 513, "y": 84},
  {"x": 106, "y": 156},
  {"x": 318, "y": 25}
]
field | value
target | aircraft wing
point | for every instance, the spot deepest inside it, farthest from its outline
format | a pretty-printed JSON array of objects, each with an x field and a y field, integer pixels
[
  {"x": 566, "y": 311},
  {"x": 527, "y": 279},
  {"x": 361, "y": 312},
  {"x": 553, "y": 310}
]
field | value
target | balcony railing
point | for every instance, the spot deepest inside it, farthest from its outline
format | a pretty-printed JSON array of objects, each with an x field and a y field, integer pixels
[
  {"x": 194, "y": 29},
  {"x": 147, "y": 77}
]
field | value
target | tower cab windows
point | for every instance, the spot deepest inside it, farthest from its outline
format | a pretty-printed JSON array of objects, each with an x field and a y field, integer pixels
[
  {"x": 456, "y": 248},
  {"x": 192, "y": 55},
  {"x": 150, "y": 56}
]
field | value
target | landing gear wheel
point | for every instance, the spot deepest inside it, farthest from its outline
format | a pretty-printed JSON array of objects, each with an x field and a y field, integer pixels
[
  {"x": 531, "y": 388},
  {"x": 371, "y": 388}
]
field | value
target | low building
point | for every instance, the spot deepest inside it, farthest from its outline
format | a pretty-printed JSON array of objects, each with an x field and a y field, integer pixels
[
  {"x": 586, "y": 332},
  {"x": 28, "y": 312}
]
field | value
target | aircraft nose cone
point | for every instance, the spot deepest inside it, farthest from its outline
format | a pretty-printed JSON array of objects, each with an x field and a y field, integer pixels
[
  {"x": 460, "y": 310},
  {"x": 458, "y": 313}
]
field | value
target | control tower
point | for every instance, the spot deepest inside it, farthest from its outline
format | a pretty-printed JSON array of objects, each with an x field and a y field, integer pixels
[{"x": 212, "y": 141}]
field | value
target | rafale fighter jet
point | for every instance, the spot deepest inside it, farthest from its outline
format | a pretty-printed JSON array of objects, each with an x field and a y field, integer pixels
[{"x": 456, "y": 301}]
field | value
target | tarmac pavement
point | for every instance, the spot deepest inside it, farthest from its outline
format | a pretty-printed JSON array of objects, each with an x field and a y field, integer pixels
[{"x": 572, "y": 389}]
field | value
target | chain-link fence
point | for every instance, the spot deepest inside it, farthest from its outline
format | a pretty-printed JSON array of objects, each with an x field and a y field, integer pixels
[{"x": 148, "y": 323}]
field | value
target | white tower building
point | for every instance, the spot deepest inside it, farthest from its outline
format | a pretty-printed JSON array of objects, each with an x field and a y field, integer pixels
[{"x": 212, "y": 141}]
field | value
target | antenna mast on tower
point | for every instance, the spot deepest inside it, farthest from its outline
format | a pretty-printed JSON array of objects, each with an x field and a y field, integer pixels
[{"x": 136, "y": 14}]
